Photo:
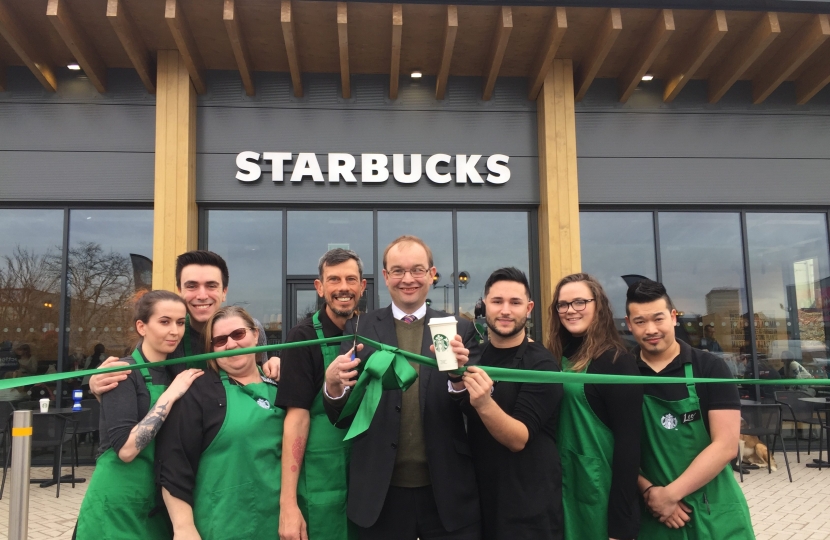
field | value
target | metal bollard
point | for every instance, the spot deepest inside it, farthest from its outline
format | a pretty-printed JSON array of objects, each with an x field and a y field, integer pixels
[{"x": 21, "y": 462}]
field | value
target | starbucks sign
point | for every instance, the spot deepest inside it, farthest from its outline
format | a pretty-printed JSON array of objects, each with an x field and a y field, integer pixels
[{"x": 374, "y": 168}]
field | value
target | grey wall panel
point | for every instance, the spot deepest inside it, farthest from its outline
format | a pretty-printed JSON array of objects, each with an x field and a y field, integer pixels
[
  {"x": 232, "y": 129},
  {"x": 76, "y": 176},
  {"x": 123, "y": 86},
  {"x": 218, "y": 185},
  {"x": 77, "y": 127},
  {"x": 683, "y": 181}
]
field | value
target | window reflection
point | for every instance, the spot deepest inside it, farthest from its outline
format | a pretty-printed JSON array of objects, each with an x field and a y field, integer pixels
[
  {"x": 790, "y": 273},
  {"x": 702, "y": 265},
  {"x": 29, "y": 293},
  {"x": 311, "y": 234},
  {"x": 480, "y": 252},
  {"x": 251, "y": 244},
  {"x": 434, "y": 228},
  {"x": 110, "y": 259},
  {"x": 617, "y": 246}
]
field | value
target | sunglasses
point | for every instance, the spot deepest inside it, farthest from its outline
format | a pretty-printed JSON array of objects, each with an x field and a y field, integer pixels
[{"x": 236, "y": 335}]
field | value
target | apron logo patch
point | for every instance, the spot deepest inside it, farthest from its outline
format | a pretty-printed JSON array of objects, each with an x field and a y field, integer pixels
[
  {"x": 264, "y": 403},
  {"x": 669, "y": 421}
]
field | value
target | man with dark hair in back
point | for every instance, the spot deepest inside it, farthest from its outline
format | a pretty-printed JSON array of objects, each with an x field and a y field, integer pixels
[
  {"x": 315, "y": 460},
  {"x": 690, "y": 431},
  {"x": 202, "y": 281},
  {"x": 512, "y": 426}
]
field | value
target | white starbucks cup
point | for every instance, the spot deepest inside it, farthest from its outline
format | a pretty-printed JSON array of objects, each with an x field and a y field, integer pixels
[
  {"x": 44, "y": 405},
  {"x": 444, "y": 329}
]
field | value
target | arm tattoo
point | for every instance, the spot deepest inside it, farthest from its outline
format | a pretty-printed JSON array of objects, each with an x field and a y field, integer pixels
[
  {"x": 298, "y": 451},
  {"x": 145, "y": 431}
]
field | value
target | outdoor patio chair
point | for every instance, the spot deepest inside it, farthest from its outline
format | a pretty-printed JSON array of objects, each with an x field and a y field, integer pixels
[
  {"x": 799, "y": 412},
  {"x": 48, "y": 431},
  {"x": 764, "y": 421},
  {"x": 85, "y": 423}
]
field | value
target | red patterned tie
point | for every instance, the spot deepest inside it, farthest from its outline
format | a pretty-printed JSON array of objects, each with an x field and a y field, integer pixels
[{"x": 409, "y": 319}]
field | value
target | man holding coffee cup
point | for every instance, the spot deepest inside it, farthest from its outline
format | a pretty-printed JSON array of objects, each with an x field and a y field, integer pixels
[{"x": 411, "y": 473}]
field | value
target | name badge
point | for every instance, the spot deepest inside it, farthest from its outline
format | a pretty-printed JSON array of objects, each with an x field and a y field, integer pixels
[{"x": 691, "y": 416}]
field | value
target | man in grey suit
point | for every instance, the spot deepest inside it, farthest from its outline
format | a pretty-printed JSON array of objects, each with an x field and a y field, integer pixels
[{"x": 411, "y": 473}]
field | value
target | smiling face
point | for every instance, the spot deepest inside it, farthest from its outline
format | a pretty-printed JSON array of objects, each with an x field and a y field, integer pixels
[
  {"x": 408, "y": 293},
  {"x": 163, "y": 330},
  {"x": 341, "y": 288},
  {"x": 506, "y": 309},
  {"x": 235, "y": 365},
  {"x": 652, "y": 325},
  {"x": 201, "y": 288},
  {"x": 577, "y": 322}
]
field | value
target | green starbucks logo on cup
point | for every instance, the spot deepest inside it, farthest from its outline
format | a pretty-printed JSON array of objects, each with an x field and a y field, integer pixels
[{"x": 441, "y": 342}]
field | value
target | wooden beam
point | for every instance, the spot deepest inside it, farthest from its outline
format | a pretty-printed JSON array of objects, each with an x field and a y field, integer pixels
[
  {"x": 288, "y": 33},
  {"x": 18, "y": 40},
  {"x": 450, "y": 31},
  {"x": 743, "y": 56},
  {"x": 343, "y": 41},
  {"x": 504, "y": 25},
  {"x": 175, "y": 215},
  {"x": 177, "y": 22},
  {"x": 57, "y": 11},
  {"x": 812, "y": 81},
  {"x": 701, "y": 46},
  {"x": 652, "y": 43},
  {"x": 559, "y": 250},
  {"x": 609, "y": 30},
  {"x": 791, "y": 56},
  {"x": 395, "y": 68},
  {"x": 240, "y": 50},
  {"x": 556, "y": 31},
  {"x": 134, "y": 46}
]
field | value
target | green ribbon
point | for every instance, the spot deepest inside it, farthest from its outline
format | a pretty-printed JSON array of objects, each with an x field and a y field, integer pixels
[{"x": 388, "y": 368}]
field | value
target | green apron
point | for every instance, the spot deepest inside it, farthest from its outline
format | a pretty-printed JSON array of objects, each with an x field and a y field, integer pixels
[
  {"x": 673, "y": 436},
  {"x": 121, "y": 495},
  {"x": 586, "y": 447},
  {"x": 322, "y": 487},
  {"x": 237, "y": 492}
]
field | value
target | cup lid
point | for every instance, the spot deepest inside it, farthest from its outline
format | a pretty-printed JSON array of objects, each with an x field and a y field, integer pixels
[{"x": 443, "y": 320}]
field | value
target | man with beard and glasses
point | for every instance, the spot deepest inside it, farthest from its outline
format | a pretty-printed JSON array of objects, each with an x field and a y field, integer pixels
[
  {"x": 315, "y": 460},
  {"x": 512, "y": 426}
]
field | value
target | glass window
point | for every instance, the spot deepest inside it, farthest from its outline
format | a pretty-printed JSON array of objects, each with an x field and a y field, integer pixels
[
  {"x": 617, "y": 247},
  {"x": 110, "y": 259},
  {"x": 30, "y": 262},
  {"x": 790, "y": 278},
  {"x": 434, "y": 228},
  {"x": 702, "y": 264},
  {"x": 251, "y": 244},
  {"x": 311, "y": 234},
  {"x": 480, "y": 252}
]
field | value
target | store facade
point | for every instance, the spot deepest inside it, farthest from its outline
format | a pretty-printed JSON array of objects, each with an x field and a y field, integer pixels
[{"x": 726, "y": 202}]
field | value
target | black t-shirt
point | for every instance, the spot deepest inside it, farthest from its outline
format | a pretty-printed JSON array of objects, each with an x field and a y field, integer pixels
[
  {"x": 712, "y": 397},
  {"x": 127, "y": 404},
  {"x": 302, "y": 370},
  {"x": 620, "y": 408}
]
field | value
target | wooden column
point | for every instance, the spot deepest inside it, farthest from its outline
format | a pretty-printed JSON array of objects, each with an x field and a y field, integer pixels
[
  {"x": 559, "y": 251},
  {"x": 175, "y": 217}
]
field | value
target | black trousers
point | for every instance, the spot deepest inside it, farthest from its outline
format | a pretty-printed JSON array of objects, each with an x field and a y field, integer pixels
[{"x": 411, "y": 514}]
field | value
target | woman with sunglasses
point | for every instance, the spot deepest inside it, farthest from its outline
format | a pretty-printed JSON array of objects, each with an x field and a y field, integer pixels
[
  {"x": 599, "y": 424},
  {"x": 219, "y": 455},
  {"x": 122, "y": 491}
]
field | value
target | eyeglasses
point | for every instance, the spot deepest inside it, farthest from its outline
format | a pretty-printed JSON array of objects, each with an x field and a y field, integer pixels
[
  {"x": 236, "y": 335},
  {"x": 417, "y": 272},
  {"x": 579, "y": 305}
]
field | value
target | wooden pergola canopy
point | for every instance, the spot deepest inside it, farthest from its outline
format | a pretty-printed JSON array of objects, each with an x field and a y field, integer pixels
[{"x": 487, "y": 41}]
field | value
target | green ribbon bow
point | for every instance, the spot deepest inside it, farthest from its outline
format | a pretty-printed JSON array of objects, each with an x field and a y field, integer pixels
[{"x": 386, "y": 369}]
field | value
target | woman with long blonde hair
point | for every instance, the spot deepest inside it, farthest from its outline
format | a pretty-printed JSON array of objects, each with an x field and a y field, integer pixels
[{"x": 599, "y": 424}]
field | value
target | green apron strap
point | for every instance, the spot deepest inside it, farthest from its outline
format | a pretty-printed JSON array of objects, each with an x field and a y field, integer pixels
[
  {"x": 330, "y": 350},
  {"x": 139, "y": 359}
]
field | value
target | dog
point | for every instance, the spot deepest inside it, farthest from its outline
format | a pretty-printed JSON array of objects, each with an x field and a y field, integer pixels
[{"x": 756, "y": 452}]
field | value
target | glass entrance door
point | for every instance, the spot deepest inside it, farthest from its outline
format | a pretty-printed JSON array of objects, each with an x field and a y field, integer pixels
[{"x": 303, "y": 300}]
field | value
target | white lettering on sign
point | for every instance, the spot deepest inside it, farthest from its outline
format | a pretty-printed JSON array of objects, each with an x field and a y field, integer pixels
[{"x": 374, "y": 168}]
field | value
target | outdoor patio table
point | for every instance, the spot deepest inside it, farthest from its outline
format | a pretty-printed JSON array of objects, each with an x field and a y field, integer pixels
[
  {"x": 826, "y": 402},
  {"x": 56, "y": 470}
]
